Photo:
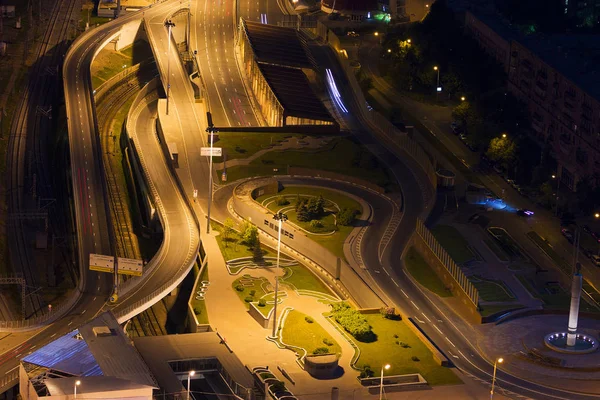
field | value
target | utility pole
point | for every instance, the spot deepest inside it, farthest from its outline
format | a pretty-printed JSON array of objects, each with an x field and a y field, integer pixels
[
  {"x": 210, "y": 129},
  {"x": 169, "y": 24}
]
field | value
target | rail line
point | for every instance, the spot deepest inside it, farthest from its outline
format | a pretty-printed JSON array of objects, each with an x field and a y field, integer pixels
[{"x": 24, "y": 142}]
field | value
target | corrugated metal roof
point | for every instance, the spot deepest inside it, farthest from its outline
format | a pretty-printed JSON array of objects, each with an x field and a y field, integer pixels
[
  {"x": 294, "y": 92},
  {"x": 277, "y": 45},
  {"x": 66, "y": 354}
]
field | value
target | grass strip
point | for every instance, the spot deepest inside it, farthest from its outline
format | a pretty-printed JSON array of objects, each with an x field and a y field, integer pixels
[
  {"x": 491, "y": 290},
  {"x": 397, "y": 344},
  {"x": 424, "y": 274},
  {"x": 298, "y": 331},
  {"x": 497, "y": 250},
  {"x": 199, "y": 306}
]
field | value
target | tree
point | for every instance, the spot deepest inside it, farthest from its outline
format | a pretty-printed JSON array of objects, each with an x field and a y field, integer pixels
[
  {"x": 257, "y": 253},
  {"x": 346, "y": 216},
  {"x": 501, "y": 150},
  {"x": 316, "y": 207},
  {"x": 463, "y": 112},
  {"x": 228, "y": 229},
  {"x": 249, "y": 234}
]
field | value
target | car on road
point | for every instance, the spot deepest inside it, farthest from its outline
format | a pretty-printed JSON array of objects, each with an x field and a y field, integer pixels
[
  {"x": 596, "y": 260},
  {"x": 352, "y": 34},
  {"x": 462, "y": 137},
  {"x": 523, "y": 212},
  {"x": 567, "y": 234}
]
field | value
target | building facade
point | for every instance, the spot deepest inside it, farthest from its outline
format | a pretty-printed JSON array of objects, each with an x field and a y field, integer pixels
[{"x": 555, "y": 77}]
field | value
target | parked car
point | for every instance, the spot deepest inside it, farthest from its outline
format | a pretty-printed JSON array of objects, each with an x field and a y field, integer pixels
[
  {"x": 510, "y": 181},
  {"x": 523, "y": 212},
  {"x": 596, "y": 260},
  {"x": 456, "y": 128},
  {"x": 352, "y": 34},
  {"x": 567, "y": 234},
  {"x": 462, "y": 137}
]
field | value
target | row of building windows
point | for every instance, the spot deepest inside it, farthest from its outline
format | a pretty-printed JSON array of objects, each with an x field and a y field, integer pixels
[{"x": 276, "y": 228}]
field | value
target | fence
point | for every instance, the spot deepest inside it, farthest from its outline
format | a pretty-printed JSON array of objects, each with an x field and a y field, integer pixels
[
  {"x": 454, "y": 270},
  {"x": 398, "y": 140}
]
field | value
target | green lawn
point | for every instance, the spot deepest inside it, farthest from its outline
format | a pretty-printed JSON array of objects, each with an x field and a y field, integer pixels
[
  {"x": 454, "y": 243},
  {"x": 253, "y": 283},
  {"x": 424, "y": 274},
  {"x": 341, "y": 155},
  {"x": 309, "y": 336},
  {"x": 199, "y": 306},
  {"x": 507, "y": 244},
  {"x": 232, "y": 249},
  {"x": 245, "y": 144},
  {"x": 388, "y": 349},
  {"x": 333, "y": 242},
  {"x": 302, "y": 279},
  {"x": 491, "y": 290}
]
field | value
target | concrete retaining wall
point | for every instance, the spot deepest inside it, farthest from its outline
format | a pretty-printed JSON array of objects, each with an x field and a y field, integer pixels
[
  {"x": 466, "y": 307},
  {"x": 333, "y": 175},
  {"x": 265, "y": 322}
]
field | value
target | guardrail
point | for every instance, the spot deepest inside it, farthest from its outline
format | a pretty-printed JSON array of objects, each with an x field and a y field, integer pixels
[{"x": 441, "y": 254}]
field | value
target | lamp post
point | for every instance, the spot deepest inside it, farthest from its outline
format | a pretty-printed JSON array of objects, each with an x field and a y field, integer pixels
[
  {"x": 597, "y": 216},
  {"x": 499, "y": 360},
  {"x": 437, "y": 88},
  {"x": 77, "y": 383},
  {"x": 383, "y": 368},
  {"x": 557, "y": 189},
  {"x": 191, "y": 373},
  {"x": 169, "y": 24},
  {"x": 280, "y": 218},
  {"x": 210, "y": 129}
]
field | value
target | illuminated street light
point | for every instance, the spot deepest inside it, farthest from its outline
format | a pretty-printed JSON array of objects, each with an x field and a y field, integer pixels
[
  {"x": 463, "y": 98},
  {"x": 437, "y": 88},
  {"x": 169, "y": 24},
  {"x": 212, "y": 130},
  {"x": 597, "y": 215},
  {"x": 383, "y": 367},
  {"x": 555, "y": 176},
  {"x": 77, "y": 383},
  {"x": 389, "y": 50},
  {"x": 191, "y": 373},
  {"x": 504, "y": 136},
  {"x": 498, "y": 361},
  {"x": 376, "y": 33},
  {"x": 280, "y": 218},
  {"x": 409, "y": 41}
]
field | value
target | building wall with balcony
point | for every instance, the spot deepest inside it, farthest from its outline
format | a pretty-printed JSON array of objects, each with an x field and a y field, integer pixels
[
  {"x": 489, "y": 40},
  {"x": 563, "y": 115}
]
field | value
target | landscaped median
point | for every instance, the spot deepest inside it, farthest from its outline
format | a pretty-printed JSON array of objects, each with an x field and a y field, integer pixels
[{"x": 301, "y": 333}]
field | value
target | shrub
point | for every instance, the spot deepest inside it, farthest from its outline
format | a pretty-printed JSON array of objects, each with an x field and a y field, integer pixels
[
  {"x": 197, "y": 310},
  {"x": 415, "y": 358},
  {"x": 262, "y": 303},
  {"x": 327, "y": 342},
  {"x": 389, "y": 313},
  {"x": 366, "y": 372},
  {"x": 309, "y": 319},
  {"x": 353, "y": 322},
  {"x": 316, "y": 223},
  {"x": 282, "y": 201},
  {"x": 397, "y": 342},
  {"x": 249, "y": 234},
  {"x": 248, "y": 299},
  {"x": 395, "y": 336},
  {"x": 239, "y": 287},
  {"x": 404, "y": 345},
  {"x": 346, "y": 216},
  {"x": 277, "y": 386},
  {"x": 321, "y": 350},
  {"x": 252, "y": 292}
]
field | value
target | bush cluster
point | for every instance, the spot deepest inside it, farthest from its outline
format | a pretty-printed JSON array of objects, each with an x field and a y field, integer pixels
[
  {"x": 309, "y": 209},
  {"x": 282, "y": 201},
  {"x": 346, "y": 216},
  {"x": 262, "y": 303},
  {"x": 327, "y": 342},
  {"x": 353, "y": 322},
  {"x": 239, "y": 287},
  {"x": 308, "y": 319},
  {"x": 321, "y": 350}
]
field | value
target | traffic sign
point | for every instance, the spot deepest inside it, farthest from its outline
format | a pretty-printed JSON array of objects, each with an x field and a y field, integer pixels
[
  {"x": 102, "y": 263},
  {"x": 216, "y": 151},
  {"x": 129, "y": 266},
  {"x": 195, "y": 193}
]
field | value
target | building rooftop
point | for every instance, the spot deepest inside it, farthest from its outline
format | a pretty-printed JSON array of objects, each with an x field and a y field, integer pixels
[
  {"x": 100, "y": 347},
  {"x": 277, "y": 45},
  {"x": 89, "y": 385},
  {"x": 159, "y": 351},
  {"x": 293, "y": 91}
]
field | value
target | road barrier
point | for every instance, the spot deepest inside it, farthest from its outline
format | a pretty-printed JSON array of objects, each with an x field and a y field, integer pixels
[{"x": 454, "y": 270}]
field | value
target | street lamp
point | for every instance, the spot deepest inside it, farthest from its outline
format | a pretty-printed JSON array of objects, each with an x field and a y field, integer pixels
[
  {"x": 77, "y": 383},
  {"x": 557, "y": 189},
  {"x": 210, "y": 129},
  {"x": 169, "y": 24},
  {"x": 499, "y": 360},
  {"x": 504, "y": 136},
  {"x": 463, "y": 98},
  {"x": 383, "y": 367},
  {"x": 389, "y": 50},
  {"x": 280, "y": 218},
  {"x": 191, "y": 373},
  {"x": 437, "y": 88}
]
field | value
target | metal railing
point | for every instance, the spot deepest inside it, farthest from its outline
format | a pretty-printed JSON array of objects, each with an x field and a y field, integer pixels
[{"x": 454, "y": 270}]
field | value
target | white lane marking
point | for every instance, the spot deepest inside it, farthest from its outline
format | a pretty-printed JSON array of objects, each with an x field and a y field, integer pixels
[
  {"x": 413, "y": 303},
  {"x": 395, "y": 283},
  {"x": 453, "y": 355},
  {"x": 404, "y": 293},
  {"x": 388, "y": 274},
  {"x": 426, "y": 317},
  {"x": 460, "y": 352},
  {"x": 69, "y": 324},
  {"x": 449, "y": 341},
  {"x": 54, "y": 334},
  {"x": 438, "y": 329}
]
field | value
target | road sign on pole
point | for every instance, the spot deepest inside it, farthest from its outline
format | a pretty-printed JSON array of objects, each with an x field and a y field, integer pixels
[
  {"x": 195, "y": 193},
  {"x": 206, "y": 151},
  {"x": 102, "y": 263}
]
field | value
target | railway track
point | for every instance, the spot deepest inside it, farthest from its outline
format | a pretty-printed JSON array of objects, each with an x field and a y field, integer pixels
[{"x": 26, "y": 155}]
